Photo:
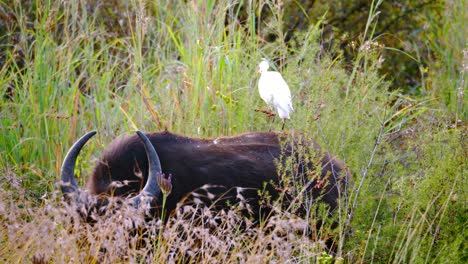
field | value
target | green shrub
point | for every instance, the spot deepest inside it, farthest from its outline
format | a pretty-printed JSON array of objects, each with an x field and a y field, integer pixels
[{"x": 72, "y": 66}]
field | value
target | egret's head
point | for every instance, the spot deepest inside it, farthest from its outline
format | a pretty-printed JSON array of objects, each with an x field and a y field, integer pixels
[{"x": 263, "y": 66}]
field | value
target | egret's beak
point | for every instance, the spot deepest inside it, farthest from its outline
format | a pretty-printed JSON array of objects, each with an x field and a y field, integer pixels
[{"x": 258, "y": 70}]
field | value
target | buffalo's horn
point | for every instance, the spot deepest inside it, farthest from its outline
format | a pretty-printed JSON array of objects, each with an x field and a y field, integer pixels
[
  {"x": 69, "y": 185},
  {"x": 151, "y": 189}
]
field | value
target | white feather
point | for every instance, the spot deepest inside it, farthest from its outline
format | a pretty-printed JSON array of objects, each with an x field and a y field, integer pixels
[{"x": 274, "y": 90}]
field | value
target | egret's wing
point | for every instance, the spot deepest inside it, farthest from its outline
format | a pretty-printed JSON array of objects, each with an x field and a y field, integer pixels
[
  {"x": 281, "y": 93},
  {"x": 279, "y": 85}
]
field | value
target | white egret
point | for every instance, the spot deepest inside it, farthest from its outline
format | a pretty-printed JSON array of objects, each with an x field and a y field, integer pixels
[{"x": 274, "y": 91}]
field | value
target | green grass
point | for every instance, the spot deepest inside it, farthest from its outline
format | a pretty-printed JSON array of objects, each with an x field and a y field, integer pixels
[{"x": 71, "y": 68}]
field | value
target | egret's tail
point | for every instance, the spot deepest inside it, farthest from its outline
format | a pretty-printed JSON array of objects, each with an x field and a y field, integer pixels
[{"x": 284, "y": 113}]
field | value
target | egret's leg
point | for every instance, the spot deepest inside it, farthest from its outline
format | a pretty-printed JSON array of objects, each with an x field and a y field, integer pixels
[
  {"x": 284, "y": 122},
  {"x": 271, "y": 123},
  {"x": 272, "y": 118}
]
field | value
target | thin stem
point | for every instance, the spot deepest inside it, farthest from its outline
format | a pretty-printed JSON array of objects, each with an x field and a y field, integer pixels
[{"x": 377, "y": 143}]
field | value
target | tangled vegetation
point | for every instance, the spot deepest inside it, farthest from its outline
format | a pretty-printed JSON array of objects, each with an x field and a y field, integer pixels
[{"x": 68, "y": 67}]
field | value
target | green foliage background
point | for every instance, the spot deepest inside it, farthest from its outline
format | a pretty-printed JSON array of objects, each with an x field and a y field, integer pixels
[{"x": 378, "y": 86}]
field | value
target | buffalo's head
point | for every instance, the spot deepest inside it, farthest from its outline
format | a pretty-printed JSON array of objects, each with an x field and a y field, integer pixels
[{"x": 148, "y": 195}]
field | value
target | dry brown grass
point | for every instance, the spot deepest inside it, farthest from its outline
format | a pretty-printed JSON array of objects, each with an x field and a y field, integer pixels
[{"x": 55, "y": 233}]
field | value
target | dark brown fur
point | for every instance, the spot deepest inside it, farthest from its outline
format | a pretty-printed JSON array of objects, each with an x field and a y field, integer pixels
[{"x": 248, "y": 161}]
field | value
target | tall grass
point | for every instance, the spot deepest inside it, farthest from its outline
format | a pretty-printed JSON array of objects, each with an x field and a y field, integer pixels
[
  {"x": 447, "y": 77},
  {"x": 189, "y": 67}
]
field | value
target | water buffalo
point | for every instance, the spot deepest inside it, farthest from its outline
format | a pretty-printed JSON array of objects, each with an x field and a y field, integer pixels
[{"x": 259, "y": 167}]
